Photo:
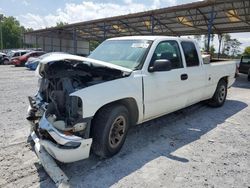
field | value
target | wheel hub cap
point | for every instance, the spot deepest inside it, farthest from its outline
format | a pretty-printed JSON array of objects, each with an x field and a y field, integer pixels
[
  {"x": 222, "y": 93},
  {"x": 117, "y": 131}
]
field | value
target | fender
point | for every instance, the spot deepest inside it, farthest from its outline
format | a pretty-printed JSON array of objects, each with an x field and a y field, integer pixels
[{"x": 96, "y": 96}]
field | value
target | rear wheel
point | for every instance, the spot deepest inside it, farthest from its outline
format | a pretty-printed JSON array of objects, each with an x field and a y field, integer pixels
[
  {"x": 109, "y": 130},
  {"x": 220, "y": 94}
]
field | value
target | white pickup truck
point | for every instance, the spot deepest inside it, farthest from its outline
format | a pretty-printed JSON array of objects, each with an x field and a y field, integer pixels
[{"x": 85, "y": 103}]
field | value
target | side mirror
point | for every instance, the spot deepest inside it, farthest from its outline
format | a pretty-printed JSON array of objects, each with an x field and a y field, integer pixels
[{"x": 160, "y": 65}]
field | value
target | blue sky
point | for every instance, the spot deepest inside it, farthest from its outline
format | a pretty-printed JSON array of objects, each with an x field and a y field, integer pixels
[{"x": 39, "y": 14}]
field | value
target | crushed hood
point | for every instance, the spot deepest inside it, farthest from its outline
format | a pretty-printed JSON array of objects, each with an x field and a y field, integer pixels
[{"x": 61, "y": 57}]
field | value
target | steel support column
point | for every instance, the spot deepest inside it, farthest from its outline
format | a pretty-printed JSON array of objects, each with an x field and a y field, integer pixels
[
  {"x": 1, "y": 30},
  {"x": 60, "y": 45},
  {"x": 36, "y": 41},
  {"x": 24, "y": 41},
  {"x": 104, "y": 31},
  {"x": 51, "y": 44},
  {"x": 152, "y": 20},
  {"x": 43, "y": 43},
  {"x": 75, "y": 40},
  {"x": 210, "y": 25},
  {"x": 220, "y": 40}
]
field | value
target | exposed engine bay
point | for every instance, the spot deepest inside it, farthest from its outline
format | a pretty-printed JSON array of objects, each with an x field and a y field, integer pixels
[{"x": 53, "y": 101}]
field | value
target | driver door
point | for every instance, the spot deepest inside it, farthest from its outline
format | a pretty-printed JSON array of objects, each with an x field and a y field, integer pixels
[{"x": 165, "y": 91}]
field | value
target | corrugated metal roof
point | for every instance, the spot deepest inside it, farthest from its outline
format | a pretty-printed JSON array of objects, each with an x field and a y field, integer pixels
[{"x": 229, "y": 16}]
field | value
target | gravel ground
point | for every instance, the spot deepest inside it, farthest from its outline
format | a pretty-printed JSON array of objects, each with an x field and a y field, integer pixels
[{"x": 195, "y": 147}]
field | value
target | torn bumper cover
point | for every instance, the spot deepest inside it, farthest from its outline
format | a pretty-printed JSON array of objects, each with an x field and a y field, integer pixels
[{"x": 67, "y": 148}]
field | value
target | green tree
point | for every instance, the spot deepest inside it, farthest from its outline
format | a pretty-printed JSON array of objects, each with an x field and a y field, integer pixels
[
  {"x": 206, "y": 40},
  {"x": 12, "y": 33},
  {"x": 247, "y": 51},
  {"x": 230, "y": 46},
  {"x": 235, "y": 50},
  {"x": 93, "y": 44},
  {"x": 60, "y": 24},
  {"x": 226, "y": 38},
  {"x": 212, "y": 50}
]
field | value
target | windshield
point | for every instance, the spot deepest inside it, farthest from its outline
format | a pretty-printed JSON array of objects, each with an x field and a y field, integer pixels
[
  {"x": 125, "y": 53},
  {"x": 10, "y": 53}
]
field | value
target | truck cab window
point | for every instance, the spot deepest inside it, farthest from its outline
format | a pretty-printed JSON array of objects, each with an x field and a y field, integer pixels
[
  {"x": 190, "y": 53},
  {"x": 168, "y": 50}
]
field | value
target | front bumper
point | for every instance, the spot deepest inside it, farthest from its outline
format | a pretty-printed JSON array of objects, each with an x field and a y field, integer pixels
[
  {"x": 50, "y": 166},
  {"x": 68, "y": 148}
]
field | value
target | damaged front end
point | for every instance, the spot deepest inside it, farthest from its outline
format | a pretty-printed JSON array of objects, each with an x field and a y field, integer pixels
[
  {"x": 56, "y": 114},
  {"x": 65, "y": 136}
]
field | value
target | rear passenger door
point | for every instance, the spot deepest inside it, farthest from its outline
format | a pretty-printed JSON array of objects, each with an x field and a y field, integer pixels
[{"x": 197, "y": 75}]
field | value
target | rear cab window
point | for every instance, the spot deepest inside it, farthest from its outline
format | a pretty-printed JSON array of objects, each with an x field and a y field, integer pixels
[{"x": 190, "y": 53}]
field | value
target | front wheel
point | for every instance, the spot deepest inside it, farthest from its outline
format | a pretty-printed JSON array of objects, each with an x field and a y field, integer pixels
[
  {"x": 6, "y": 62},
  {"x": 109, "y": 130},
  {"x": 220, "y": 95}
]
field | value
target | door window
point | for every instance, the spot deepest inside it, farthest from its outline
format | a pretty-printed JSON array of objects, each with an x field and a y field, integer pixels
[
  {"x": 190, "y": 53},
  {"x": 168, "y": 50},
  {"x": 16, "y": 54}
]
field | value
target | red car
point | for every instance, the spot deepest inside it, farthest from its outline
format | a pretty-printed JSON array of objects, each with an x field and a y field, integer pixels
[{"x": 22, "y": 59}]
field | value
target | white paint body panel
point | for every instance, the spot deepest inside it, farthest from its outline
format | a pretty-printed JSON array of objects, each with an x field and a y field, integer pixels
[
  {"x": 158, "y": 93},
  {"x": 155, "y": 93},
  {"x": 68, "y": 155},
  {"x": 96, "y": 96}
]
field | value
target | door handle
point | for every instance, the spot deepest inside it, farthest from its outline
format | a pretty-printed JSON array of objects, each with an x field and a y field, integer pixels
[{"x": 184, "y": 77}]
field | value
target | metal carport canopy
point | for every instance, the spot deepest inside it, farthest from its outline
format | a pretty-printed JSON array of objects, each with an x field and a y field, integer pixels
[{"x": 203, "y": 17}]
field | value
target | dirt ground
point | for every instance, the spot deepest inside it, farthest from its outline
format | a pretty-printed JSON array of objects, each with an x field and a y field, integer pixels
[{"x": 195, "y": 147}]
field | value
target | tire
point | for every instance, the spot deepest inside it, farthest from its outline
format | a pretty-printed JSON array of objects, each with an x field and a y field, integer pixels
[
  {"x": 108, "y": 139},
  {"x": 220, "y": 95},
  {"x": 6, "y": 62}
]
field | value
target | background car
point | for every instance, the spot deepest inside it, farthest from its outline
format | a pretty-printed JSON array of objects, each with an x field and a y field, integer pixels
[
  {"x": 23, "y": 59},
  {"x": 2, "y": 55},
  {"x": 244, "y": 67},
  {"x": 33, "y": 62},
  {"x": 13, "y": 54}
]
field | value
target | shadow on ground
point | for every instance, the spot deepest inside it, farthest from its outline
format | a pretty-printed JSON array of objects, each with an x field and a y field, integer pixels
[
  {"x": 242, "y": 82},
  {"x": 148, "y": 141}
]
